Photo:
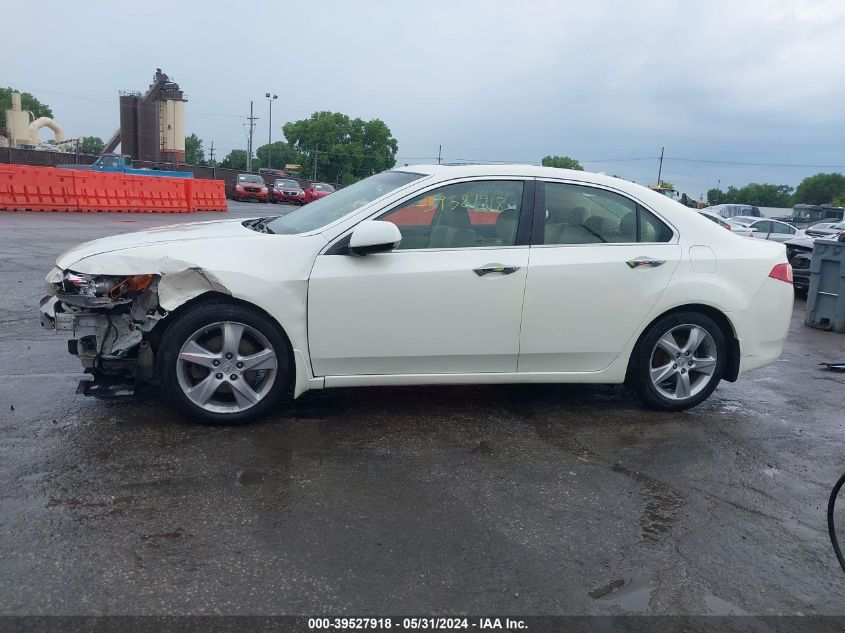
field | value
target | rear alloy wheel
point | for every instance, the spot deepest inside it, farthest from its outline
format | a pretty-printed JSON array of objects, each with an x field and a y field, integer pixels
[
  {"x": 224, "y": 364},
  {"x": 678, "y": 361}
]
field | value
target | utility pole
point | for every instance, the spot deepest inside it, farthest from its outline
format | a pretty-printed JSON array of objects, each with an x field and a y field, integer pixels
[
  {"x": 316, "y": 153},
  {"x": 211, "y": 159},
  {"x": 439, "y": 149},
  {"x": 270, "y": 128},
  {"x": 252, "y": 120},
  {"x": 660, "y": 169},
  {"x": 718, "y": 190}
]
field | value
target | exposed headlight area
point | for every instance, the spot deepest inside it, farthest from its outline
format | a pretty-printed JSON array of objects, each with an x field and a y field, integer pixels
[
  {"x": 107, "y": 317},
  {"x": 98, "y": 290}
]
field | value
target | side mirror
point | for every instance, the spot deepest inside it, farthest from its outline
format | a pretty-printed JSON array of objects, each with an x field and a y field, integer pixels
[{"x": 374, "y": 237}]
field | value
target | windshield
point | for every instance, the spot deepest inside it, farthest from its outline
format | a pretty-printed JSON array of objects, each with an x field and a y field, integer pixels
[
  {"x": 287, "y": 184},
  {"x": 330, "y": 208},
  {"x": 807, "y": 214},
  {"x": 256, "y": 179},
  {"x": 322, "y": 187}
]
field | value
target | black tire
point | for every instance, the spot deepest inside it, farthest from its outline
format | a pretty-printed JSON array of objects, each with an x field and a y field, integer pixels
[
  {"x": 639, "y": 366},
  {"x": 196, "y": 317},
  {"x": 273, "y": 200},
  {"x": 235, "y": 199}
]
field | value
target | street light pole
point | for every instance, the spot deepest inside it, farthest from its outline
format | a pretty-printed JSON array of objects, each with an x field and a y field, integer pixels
[{"x": 270, "y": 128}]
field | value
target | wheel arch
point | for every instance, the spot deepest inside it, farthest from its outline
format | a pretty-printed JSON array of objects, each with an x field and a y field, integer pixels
[
  {"x": 731, "y": 372},
  {"x": 214, "y": 297}
]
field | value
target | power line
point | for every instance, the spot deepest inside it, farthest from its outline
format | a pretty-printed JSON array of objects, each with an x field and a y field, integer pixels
[{"x": 751, "y": 164}]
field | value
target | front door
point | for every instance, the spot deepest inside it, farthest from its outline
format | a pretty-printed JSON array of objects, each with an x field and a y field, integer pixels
[
  {"x": 597, "y": 268},
  {"x": 448, "y": 300}
]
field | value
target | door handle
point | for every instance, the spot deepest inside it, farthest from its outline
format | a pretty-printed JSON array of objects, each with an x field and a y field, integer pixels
[
  {"x": 495, "y": 268},
  {"x": 644, "y": 262}
]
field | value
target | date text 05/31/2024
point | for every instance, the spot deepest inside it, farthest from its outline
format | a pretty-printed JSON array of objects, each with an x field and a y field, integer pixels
[{"x": 483, "y": 624}]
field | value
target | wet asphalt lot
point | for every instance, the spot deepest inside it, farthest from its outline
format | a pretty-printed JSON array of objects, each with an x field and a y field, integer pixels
[{"x": 482, "y": 499}]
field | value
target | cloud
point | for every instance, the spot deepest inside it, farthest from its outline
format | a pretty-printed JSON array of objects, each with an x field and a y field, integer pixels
[{"x": 757, "y": 81}]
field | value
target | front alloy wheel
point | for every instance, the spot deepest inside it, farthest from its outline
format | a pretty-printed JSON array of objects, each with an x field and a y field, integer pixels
[
  {"x": 224, "y": 364},
  {"x": 226, "y": 367}
]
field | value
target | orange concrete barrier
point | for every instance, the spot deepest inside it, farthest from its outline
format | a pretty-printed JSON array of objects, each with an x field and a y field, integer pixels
[
  {"x": 27, "y": 188},
  {"x": 205, "y": 195}
]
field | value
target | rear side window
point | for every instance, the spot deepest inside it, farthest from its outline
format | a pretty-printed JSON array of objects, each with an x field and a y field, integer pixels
[{"x": 575, "y": 214}]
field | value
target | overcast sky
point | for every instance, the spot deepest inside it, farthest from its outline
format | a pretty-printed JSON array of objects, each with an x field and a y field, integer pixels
[{"x": 754, "y": 86}]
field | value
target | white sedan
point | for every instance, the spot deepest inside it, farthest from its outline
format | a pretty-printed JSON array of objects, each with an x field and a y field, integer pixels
[
  {"x": 424, "y": 275},
  {"x": 765, "y": 228},
  {"x": 737, "y": 228}
]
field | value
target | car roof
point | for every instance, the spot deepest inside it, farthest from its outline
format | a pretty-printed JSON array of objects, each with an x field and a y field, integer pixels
[{"x": 447, "y": 172}]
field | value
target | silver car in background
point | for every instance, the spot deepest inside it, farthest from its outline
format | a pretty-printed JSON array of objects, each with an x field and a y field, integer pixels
[
  {"x": 766, "y": 229},
  {"x": 738, "y": 229}
]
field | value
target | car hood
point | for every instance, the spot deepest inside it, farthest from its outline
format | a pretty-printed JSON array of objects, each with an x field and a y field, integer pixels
[{"x": 190, "y": 231}]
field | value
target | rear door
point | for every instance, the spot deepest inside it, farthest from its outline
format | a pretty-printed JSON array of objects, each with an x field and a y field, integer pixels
[{"x": 599, "y": 262}]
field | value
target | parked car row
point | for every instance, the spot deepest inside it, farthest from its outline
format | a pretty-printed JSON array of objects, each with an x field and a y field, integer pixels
[
  {"x": 284, "y": 190},
  {"x": 799, "y": 251}
]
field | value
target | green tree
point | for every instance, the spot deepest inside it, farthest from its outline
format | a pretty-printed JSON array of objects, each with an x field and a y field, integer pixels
[
  {"x": 344, "y": 149},
  {"x": 715, "y": 196},
  {"x": 820, "y": 189},
  {"x": 194, "y": 154},
  {"x": 28, "y": 102},
  {"x": 562, "y": 162},
  {"x": 236, "y": 159},
  {"x": 91, "y": 145},
  {"x": 759, "y": 195},
  {"x": 282, "y": 154}
]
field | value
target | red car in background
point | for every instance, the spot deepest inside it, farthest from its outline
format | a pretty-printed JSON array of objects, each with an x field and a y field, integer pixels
[
  {"x": 287, "y": 191},
  {"x": 317, "y": 190},
  {"x": 250, "y": 187}
]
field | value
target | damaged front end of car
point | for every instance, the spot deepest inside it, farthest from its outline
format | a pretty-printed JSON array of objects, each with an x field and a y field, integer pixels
[
  {"x": 108, "y": 317},
  {"x": 112, "y": 318}
]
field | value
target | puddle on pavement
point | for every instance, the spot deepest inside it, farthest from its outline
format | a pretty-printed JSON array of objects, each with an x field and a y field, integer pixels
[
  {"x": 249, "y": 477},
  {"x": 623, "y": 596},
  {"x": 719, "y": 606},
  {"x": 661, "y": 507},
  {"x": 661, "y": 500}
]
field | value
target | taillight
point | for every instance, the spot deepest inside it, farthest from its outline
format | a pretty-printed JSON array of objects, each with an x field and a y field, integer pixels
[
  {"x": 728, "y": 226},
  {"x": 782, "y": 272}
]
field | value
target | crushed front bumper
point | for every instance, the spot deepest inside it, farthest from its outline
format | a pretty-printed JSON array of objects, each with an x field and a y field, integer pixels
[{"x": 111, "y": 347}]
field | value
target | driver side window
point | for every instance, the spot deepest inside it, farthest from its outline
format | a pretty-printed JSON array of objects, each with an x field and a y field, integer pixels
[{"x": 461, "y": 215}]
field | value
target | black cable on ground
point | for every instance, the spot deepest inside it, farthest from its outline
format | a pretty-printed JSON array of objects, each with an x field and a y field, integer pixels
[{"x": 831, "y": 504}]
